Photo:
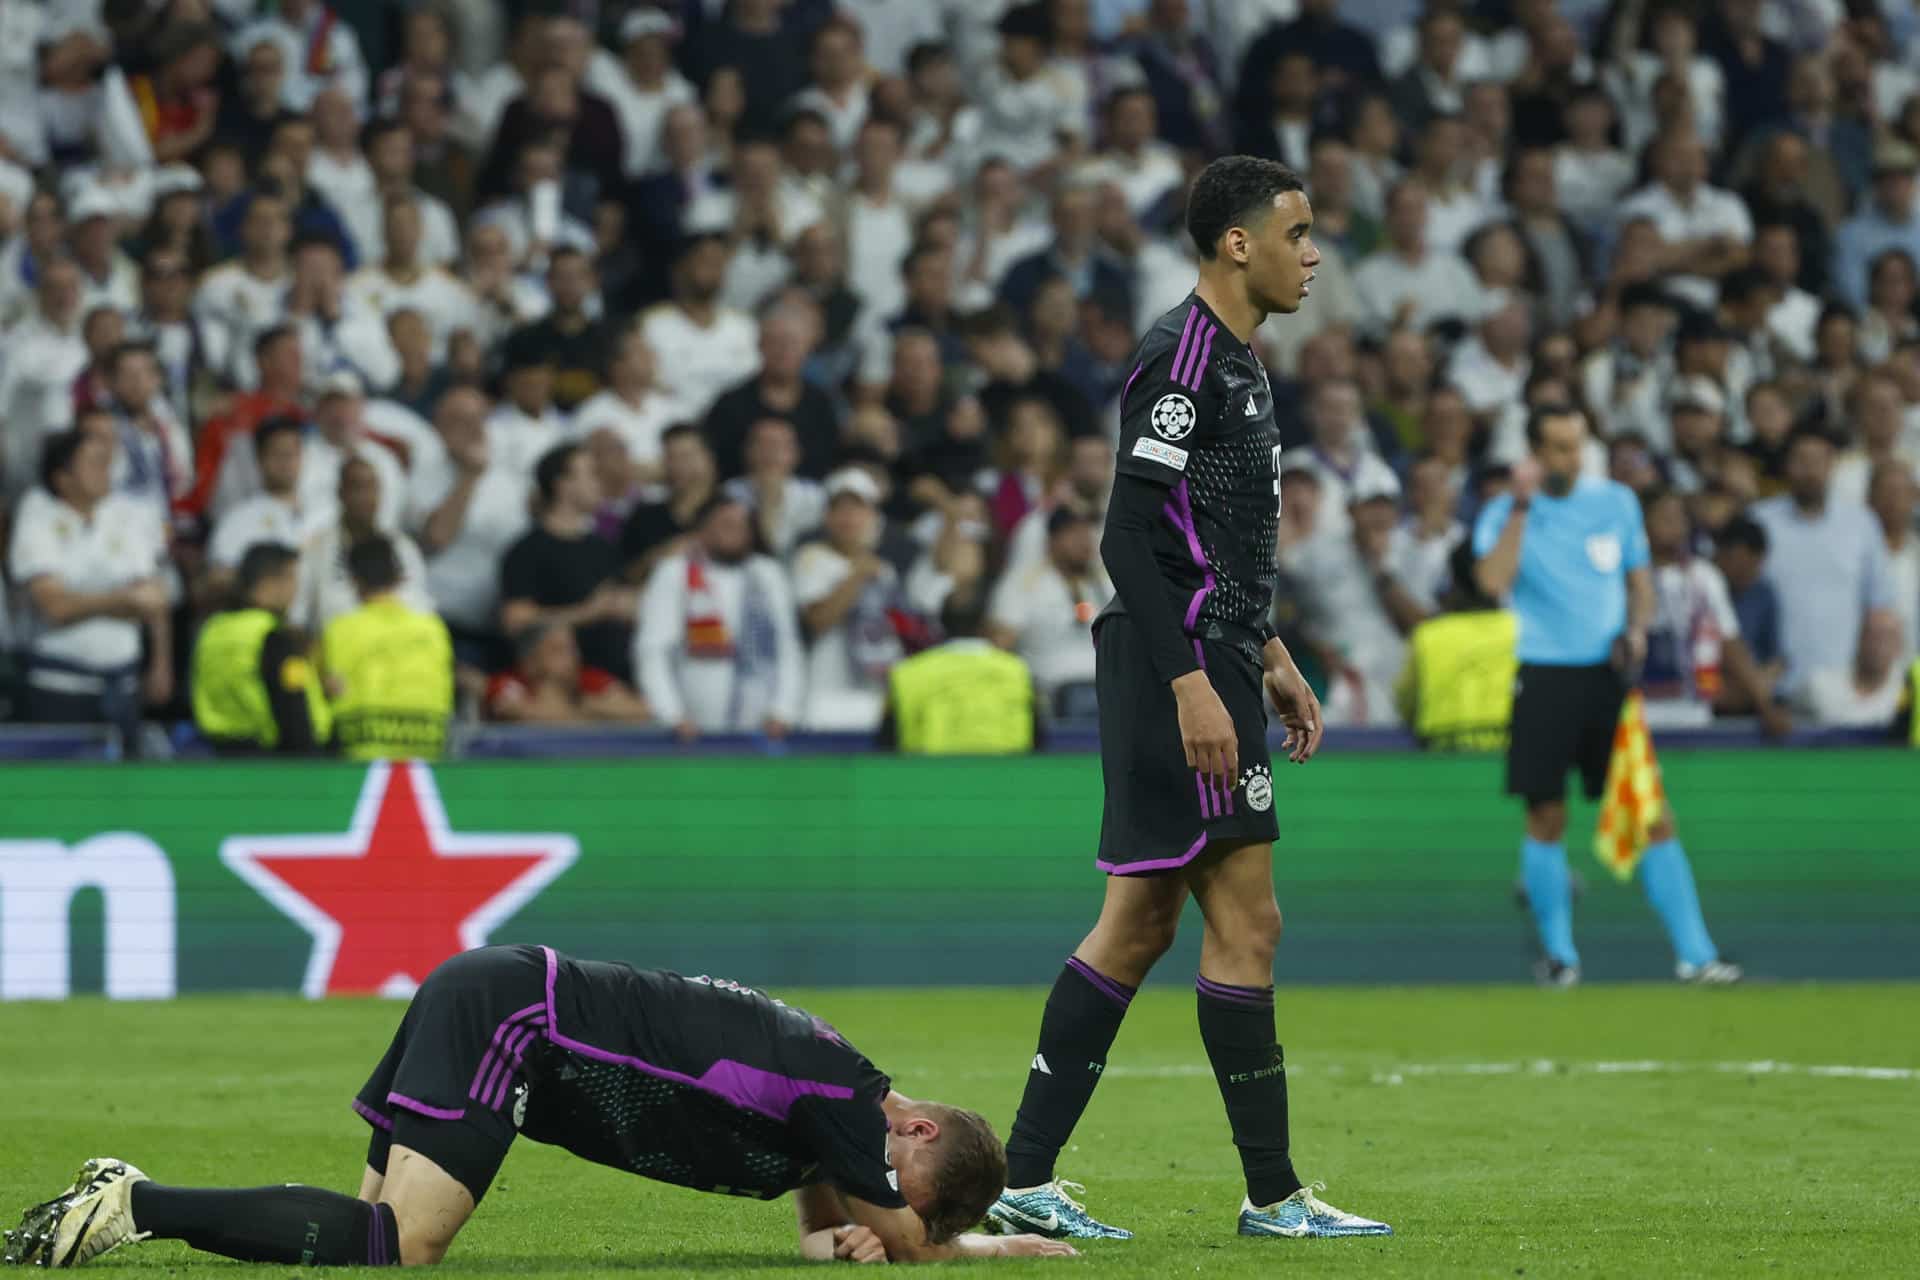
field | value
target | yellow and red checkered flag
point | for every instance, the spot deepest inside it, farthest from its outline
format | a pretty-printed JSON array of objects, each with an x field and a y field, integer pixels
[{"x": 1634, "y": 800}]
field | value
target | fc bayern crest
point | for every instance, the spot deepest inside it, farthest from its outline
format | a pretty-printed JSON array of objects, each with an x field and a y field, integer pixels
[
  {"x": 1258, "y": 784},
  {"x": 1173, "y": 417}
]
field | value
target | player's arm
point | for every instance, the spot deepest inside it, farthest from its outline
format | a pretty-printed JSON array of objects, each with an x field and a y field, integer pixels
[
  {"x": 1293, "y": 699},
  {"x": 1496, "y": 567},
  {"x": 904, "y": 1237},
  {"x": 1641, "y": 605}
]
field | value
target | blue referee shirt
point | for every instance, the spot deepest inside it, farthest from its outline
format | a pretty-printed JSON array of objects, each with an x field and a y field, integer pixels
[{"x": 1571, "y": 592}]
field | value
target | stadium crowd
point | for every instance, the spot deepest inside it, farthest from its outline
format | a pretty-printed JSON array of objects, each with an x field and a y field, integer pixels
[{"x": 698, "y": 362}]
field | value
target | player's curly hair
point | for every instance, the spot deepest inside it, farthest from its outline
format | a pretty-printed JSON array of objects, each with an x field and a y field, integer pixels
[
  {"x": 970, "y": 1174},
  {"x": 1229, "y": 191}
]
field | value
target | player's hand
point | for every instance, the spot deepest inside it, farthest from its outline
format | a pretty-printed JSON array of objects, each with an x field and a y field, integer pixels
[
  {"x": 1206, "y": 730},
  {"x": 1294, "y": 702},
  {"x": 1036, "y": 1247},
  {"x": 857, "y": 1244},
  {"x": 1525, "y": 479}
]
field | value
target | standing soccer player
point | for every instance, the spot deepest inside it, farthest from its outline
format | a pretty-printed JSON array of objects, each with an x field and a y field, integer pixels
[
  {"x": 1183, "y": 653},
  {"x": 1575, "y": 558}
]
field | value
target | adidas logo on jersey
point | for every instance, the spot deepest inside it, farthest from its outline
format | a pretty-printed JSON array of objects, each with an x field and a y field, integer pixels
[
  {"x": 1253, "y": 408},
  {"x": 1040, "y": 1064}
]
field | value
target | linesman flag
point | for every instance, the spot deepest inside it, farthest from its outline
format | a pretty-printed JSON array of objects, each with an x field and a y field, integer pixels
[{"x": 1634, "y": 800}]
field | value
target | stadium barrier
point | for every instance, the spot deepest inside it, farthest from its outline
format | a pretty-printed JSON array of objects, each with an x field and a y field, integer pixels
[{"x": 150, "y": 880}]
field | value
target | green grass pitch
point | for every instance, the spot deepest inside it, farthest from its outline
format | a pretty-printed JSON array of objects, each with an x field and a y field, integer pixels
[{"x": 1622, "y": 1131}]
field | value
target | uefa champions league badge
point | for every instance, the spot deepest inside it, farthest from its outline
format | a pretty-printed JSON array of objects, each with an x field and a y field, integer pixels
[
  {"x": 1173, "y": 417},
  {"x": 1257, "y": 783}
]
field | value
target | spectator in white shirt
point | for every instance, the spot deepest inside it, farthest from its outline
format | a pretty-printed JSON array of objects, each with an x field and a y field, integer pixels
[
  {"x": 239, "y": 300},
  {"x": 1791, "y": 322},
  {"x": 1490, "y": 370},
  {"x": 785, "y": 505},
  {"x": 1431, "y": 529},
  {"x": 336, "y": 329},
  {"x": 90, "y": 565},
  {"x": 525, "y": 423},
  {"x": 1590, "y": 173},
  {"x": 344, "y": 430},
  {"x": 1636, "y": 78},
  {"x": 468, "y": 508},
  {"x": 1623, "y": 383},
  {"x": 1358, "y": 609},
  {"x": 275, "y": 514},
  {"x": 1341, "y": 451},
  {"x": 702, "y": 346},
  {"x": 155, "y": 455},
  {"x": 1024, "y": 116},
  {"x": 317, "y": 48},
  {"x": 716, "y": 648},
  {"x": 1705, "y": 232},
  {"x": 44, "y": 354},
  {"x": 1408, "y": 283},
  {"x": 107, "y": 276},
  {"x": 837, "y": 63},
  {"x": 1455, "y": 207},
  {"x": 1146, "y": 169},
  {"x": 641, "y": 84},
  {"x": 392, "y": 157},
  {"x": 338, "y": 170},
  {"x": 847, "y": 596},
  {"x": 403, "y": 280},
  {"x": 1044, "y": 612},
  {"x": 326, "y": 588},
  {"x": 1893, "y": 497},
  {"x": 1864, "y": 694},
  {"x": 632, "y": 407}
]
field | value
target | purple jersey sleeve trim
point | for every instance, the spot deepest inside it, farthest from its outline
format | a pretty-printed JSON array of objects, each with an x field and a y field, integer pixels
[
  {"x": 1186, "y": 343},
  {"x": 1155, "y": 864},
  {"x": 1180, "y": 513},
  {"x": 371, "y": 1116},
  {"x": 765, "y": 1093},
  {"x": 1199, "y": 373},
  {"x": 420, "y": 1108}
]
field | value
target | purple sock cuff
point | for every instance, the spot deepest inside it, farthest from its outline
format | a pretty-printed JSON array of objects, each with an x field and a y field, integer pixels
[
  {"x": 1118, "y": 992},
  {"x": 1250, "y": 997}
]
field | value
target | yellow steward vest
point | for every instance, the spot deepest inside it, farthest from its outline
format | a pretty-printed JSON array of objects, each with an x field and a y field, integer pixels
[
  {"x": 391, "y": 672},
  {"x": 963, "y": 698},
  {"x": 1462, "y": 668},
  {"x": 230, "y": 701}
]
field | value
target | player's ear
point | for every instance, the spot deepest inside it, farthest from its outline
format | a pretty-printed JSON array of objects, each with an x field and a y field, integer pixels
[
  {"x": 1234, "y": 243},
  {"x": 919, "y": 1128}
]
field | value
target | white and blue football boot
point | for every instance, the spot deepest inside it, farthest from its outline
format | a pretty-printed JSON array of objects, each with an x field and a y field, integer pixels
[
  {"x": 1304, "y": 1216},
  {"x": 1048, "y": 1210}
]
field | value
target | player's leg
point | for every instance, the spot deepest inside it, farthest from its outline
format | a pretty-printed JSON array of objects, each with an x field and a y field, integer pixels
[
  {"x": 1666, "y": 876},
  {"x": 1234, "y": 993},
  {"x": 1089, "y": 999},
  {"x": 1550, "y": 717}
]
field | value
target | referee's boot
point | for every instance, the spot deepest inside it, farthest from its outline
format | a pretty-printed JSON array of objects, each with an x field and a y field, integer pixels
[
  {"x": 1048, "y": 1210},
  {"x": 89, "y": 1218},
  {"x": 1305, "y": 1216}
]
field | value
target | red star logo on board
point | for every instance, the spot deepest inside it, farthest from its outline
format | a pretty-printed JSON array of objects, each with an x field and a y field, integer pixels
[{"x": 399, "y": 891}]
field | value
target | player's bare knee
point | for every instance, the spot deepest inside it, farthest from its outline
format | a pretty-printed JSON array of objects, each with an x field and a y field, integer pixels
[
  {"x": 1547, "y": 820},
  {"x": 1662, "y": 830},
  {"x": 1257, "y": 930}
]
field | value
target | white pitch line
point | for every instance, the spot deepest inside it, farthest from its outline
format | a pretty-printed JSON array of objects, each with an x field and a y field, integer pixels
[{"x": 1539, "y": 1067}]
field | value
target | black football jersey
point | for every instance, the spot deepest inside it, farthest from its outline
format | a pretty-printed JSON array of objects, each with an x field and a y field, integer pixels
[
  {"x": 1196, "y": 416},
  {"x": 704, "y": 1083}
]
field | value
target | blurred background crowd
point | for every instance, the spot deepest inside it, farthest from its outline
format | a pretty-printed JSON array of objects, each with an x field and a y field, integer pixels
[{"x": 699, "y": 362}]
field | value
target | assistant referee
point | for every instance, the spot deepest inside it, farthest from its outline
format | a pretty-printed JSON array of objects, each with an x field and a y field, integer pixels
[{"x": 1573, "y": 558}]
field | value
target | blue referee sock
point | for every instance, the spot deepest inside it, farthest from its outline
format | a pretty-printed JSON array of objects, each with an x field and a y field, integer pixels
[
  {"x": 1667, "y": 877},
  {"x": 1543, "y": 867}
]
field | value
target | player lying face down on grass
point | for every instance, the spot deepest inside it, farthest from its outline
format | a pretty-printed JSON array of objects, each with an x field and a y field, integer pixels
[{"x": 706, "y": 1084}]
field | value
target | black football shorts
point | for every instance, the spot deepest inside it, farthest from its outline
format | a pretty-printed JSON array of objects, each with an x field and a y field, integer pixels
[{"x": 1160, "y": 814}]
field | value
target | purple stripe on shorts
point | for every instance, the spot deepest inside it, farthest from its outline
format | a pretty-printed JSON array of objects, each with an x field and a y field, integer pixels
[
  {"x": 420, "y": 1108},
  {"x": 1154, "y": 864},
  {"x": 1252, "y": 997},
  {"x": 1206, "y": 354},
  {"x": 1228, "y": 795},
  {"x": 1200, "y": 788},
  {"x": 509, "y": 1063},
  {"x": 750, "y": 1088},
  {"x": 372, "y": 1117},
  {"x": 1118, "y": 992},
  {"x": 500, "y": 1034},
  {"x": 1186, "y": 342}
]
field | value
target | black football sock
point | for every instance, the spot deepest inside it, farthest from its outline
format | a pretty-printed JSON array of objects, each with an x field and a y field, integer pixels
[
  {"x": 1236, "y": 1025},
  {"x": 1083, "y": 1016},
  {"x": 295, "y": 1225}
]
